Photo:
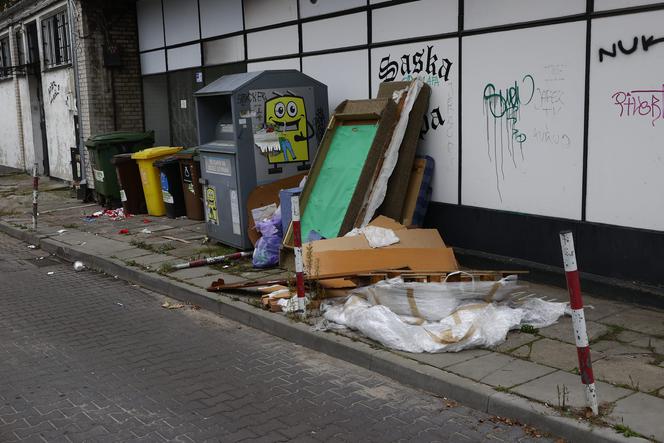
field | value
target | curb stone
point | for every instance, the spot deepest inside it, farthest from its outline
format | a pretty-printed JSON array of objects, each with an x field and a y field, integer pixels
[{"x": 404, "y": 370}]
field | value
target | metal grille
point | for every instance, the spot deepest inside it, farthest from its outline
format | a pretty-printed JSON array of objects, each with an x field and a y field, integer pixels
[{"x": 55, "y": 37}]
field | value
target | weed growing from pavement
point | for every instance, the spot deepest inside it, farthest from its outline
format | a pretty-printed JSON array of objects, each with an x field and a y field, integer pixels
[
  {"x": 626, "y": 431},
  {"x": 529, "y": 329},
  {"x": 166, "y": 268},
  {"x": 159, "y": 249}
]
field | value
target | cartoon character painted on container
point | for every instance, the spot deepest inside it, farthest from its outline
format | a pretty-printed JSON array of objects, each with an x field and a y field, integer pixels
[{"x": 287, "y": 115}]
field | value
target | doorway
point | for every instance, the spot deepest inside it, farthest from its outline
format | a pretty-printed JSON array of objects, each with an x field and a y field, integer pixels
[{"x": 36, "y": 100}]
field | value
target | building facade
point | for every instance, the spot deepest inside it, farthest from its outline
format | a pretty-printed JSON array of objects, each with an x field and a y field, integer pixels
[
  {"x": 69, "y": 69},
  {"x": 545, "y": 115}
]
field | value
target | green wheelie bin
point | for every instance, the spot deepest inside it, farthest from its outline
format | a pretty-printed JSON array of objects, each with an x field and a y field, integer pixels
[{"x": 102, "y": 148}]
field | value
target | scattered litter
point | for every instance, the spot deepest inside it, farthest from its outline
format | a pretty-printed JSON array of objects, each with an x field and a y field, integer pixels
[
  {"x": 40, "y": 258},
  {"x": 169, "y": 305},
  {"x": 32, "y": 247},
  {"x": 83, "y": 243},
  {"x": 50, "y": 273},
  {"x": 78, "y": 266},
  {"x": 147, "y": 220},
  {"x": 119, "y": 304},
  {"x": 146, "y": 231},
  {"x": 123, "y": 231},
  {"x": 61, "y": 231},
  {"x": 113, "y": 214},
  {"x": 291, "y": 304}
]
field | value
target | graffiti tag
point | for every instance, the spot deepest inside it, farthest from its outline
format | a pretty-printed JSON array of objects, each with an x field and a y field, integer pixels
[
  {"x": 641, "y": 103},
  {"x": 503, "y": 107},
  {"x": 415, "y": 65},
  {"x": 646, "y": 43},
  {"x": 53, "y": 92}
]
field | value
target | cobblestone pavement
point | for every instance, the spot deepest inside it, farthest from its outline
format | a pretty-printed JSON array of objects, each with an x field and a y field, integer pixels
[{"x": 86, "y": 357}]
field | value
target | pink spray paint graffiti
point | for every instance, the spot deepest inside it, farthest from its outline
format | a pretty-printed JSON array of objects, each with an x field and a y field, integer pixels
[{"x": 647, "y": 103}]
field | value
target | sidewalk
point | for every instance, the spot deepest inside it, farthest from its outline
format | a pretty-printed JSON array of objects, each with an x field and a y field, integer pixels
[{"x": 531, "y": 377}]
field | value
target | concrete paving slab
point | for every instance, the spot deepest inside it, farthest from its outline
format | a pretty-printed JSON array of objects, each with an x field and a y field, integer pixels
[
  {"x": 614, "y": 348},
  {"x": 205, "y": 282},
  {"x": 545, "y": 389},
  {"x": 500, "y": 370},
  {"x": 635, "y": 372},
  {"x": 152, "y": 259},
  {"x": 554, "y": 353},
  {"x": 598, "y": 308},
  {"x": 630, "y": 336},
  {"x": 564, "y": 331},
  {"x": 445, "y": 359},
  {"x": 653, "y": 343},
  {"x": 187, "y": 274},
  {"x": 646, "y": 321},
  {"x": 516, "y": 339},
  {"x": 642, "y": 413},
  {"x": 186, "y": 251},
  {"x": 131, "y": 253}
]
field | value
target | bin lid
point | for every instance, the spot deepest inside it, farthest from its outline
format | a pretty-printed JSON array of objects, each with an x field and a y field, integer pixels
[
  {"x": 121, "y": 158},
  {"x": 158, "y": 151},
  {"x": 112, "y": 138},
  {"x": 188, "y": 153},
  {"x": 165, "y": 161}
]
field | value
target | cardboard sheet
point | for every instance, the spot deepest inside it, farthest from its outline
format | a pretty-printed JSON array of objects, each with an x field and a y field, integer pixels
[
  {"x": 337, "y": 179},
  {"x": 264, "y": 195},
  {"x": 338, "y": 263}
]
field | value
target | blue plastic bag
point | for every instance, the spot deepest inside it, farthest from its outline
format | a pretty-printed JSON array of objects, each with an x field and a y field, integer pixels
[{"x": 266, "y": 252}]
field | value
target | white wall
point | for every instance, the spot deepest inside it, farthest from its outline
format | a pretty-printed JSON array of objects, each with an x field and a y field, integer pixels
[
  {"x": 538, "y": 169},
  {"x": 26, "y": 112},
  {"x": 58, "y": 106},
  {"x": 10, "y": 149},
  {"x": 626, "y": 132}
]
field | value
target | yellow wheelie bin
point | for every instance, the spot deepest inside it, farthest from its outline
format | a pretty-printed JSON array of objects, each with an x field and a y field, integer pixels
[{"x": 150, "y": 176}]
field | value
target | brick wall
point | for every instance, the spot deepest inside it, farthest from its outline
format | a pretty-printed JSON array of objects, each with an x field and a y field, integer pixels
[{"x": 111, "y": 97}]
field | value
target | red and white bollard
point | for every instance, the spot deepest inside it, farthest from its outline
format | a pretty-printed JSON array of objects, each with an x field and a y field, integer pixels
[
  {"x": 297, "y": 240},
  {"x": 578, "y": 319},
  {"x": 35, "y": 195}
]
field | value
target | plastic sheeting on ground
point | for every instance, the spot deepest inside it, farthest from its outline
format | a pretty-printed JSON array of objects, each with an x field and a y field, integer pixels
[{"x": 441, "y": 317}]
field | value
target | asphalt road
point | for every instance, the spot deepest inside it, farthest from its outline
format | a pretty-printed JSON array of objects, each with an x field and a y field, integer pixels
[{"x": 87, "y": 357}]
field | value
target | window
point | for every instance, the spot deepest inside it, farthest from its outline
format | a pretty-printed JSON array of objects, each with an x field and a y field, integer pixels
[
  {"x": 55, "y": 35},
  {"x": 20, "y": 49},
  {"x": 5, "y": 57}
]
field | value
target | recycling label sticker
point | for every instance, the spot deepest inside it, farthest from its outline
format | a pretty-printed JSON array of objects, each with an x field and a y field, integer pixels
[
  {"x": 123, "y": 196},
  {"x": 99, "y": 175}
]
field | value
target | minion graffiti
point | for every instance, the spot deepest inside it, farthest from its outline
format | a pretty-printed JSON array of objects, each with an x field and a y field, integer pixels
[{"x": 287, "y": 115}]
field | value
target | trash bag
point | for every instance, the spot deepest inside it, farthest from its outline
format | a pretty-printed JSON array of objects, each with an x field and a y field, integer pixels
[{"x": 266, "y": 252}]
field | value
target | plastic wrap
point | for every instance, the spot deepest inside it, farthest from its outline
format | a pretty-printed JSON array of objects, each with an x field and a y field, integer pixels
[
  {"x": 452, "y": 316},
  {"x": 376, "y": 236},
  {"x": 434, "y": 301}
]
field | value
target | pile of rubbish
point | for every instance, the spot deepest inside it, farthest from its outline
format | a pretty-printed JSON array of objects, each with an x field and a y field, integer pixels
[
  {"x": 441, "y": 317},
  {"x": 368, "y": 264},
  {"x": 113, "y": 214}
]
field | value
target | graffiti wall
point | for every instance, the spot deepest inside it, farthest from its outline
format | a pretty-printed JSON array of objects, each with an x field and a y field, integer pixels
[
  {"x": 530, "y": 114},
  {"x": 523, "y": 98},
  {"x": 436, "y": 63},
  {"x": 626, "y": 122},
  {"x": 59, "y": 106}
]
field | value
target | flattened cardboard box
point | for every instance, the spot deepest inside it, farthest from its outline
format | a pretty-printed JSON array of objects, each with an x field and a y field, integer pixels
[{"x": 397, "y": 185}]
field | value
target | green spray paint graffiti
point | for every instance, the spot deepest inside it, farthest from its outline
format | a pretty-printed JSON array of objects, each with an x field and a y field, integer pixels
[{"x": 503, "y": 107}]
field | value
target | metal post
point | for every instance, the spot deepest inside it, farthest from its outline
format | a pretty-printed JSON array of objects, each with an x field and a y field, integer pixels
[
  {"x": 297, "y": 240},
  {"x": 578, "y": 319},
  {"x": 35, "y": 195}
]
